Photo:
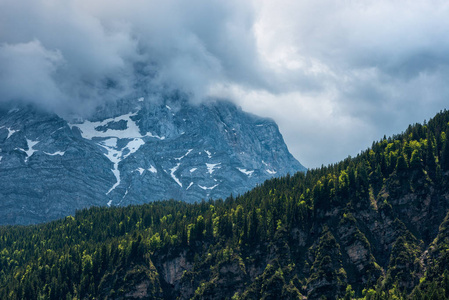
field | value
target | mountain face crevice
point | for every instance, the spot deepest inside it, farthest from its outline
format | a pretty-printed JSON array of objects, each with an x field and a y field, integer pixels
[{"x": 133, "y": 152}]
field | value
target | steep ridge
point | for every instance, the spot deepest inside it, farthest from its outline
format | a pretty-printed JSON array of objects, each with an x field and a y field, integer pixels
[
  {"x": 374, "y": 226},
  {"x": 133, "y": 152}
]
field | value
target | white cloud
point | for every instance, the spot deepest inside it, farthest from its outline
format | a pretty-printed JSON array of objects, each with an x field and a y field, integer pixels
[
  {"x": 27, "y": 70},
  {"x": 349, "y": 72}
]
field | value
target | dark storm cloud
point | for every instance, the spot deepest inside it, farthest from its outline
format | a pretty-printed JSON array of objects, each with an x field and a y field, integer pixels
[
  {"x": 75, "y": 54},
  {"x": 335, "y": 75},
  {"x": 54, "y": 54}
]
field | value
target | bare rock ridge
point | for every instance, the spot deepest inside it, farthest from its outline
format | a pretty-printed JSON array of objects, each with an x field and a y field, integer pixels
[{"x": 132, "y": 152}]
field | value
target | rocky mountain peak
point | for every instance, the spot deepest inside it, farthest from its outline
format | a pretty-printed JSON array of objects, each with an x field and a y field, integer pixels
[{"x": 132, "y": 152}]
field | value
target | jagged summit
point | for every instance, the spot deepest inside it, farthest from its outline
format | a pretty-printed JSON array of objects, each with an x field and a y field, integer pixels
[{"x": 133, "y": 152}]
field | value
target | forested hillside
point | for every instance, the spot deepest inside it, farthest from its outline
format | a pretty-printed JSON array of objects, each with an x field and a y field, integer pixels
[{"x": 375, "y": 226}]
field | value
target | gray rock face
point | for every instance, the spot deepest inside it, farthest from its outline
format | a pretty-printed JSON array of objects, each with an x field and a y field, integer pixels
[{"x": 133, "y": 152}]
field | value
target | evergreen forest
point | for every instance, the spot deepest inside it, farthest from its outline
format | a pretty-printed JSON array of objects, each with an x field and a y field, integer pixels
[{"x": 375, "y": 226}]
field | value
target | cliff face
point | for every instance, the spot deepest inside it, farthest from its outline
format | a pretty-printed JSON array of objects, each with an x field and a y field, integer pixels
[
  {"x": 133, "y": 152},
  {"x": 369, "y": 245}
]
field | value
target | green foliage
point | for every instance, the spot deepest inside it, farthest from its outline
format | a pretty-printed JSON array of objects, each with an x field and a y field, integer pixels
[
  {"x": 327, "y": 266},
  {"x": 405, "y": 265}
]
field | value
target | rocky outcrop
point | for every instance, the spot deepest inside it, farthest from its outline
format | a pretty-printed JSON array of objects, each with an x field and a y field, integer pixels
[
  {"x": 173, "y": 269},
  {"x": 134, "y": 281}
]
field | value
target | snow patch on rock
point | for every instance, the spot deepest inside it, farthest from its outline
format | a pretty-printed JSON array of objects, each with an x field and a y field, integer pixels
[
  {"x": 208, "y": 154},
  {"x": 89, "y": 131},
  {"x": 187, "y": 153},
  {"x": 208, "y": 188},
  {"x": 117, "y": 155},
  {"x": 152, "y": 169},
  {"x": 61, "y": 153},
  {"x": 10, "y": 131},
  {"x": 30, "y": 150},
  {"x": 211, "y": 167},
  {"x": 172, "y": 174},
  {"x": 246, "y": 172}
]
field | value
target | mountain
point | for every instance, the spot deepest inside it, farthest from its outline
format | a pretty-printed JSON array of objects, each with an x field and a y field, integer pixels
[
  {"x": 375, "y": 226},
  {"x": 132, "y": 152}
]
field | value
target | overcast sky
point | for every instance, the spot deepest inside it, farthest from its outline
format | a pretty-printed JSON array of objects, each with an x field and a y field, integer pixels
[{"x": 335, "y": 75}]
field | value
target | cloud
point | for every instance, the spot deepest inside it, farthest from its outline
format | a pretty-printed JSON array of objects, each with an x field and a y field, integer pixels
[
  {"x": 27, "y": 70},
  {"x": 350, "y": 72},
  {"x": 334, "y": 75},
  {"x": 62, "y": 57},
  {"x": 108, "y": 50}
]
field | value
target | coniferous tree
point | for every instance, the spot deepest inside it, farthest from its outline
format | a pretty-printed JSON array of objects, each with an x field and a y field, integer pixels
[{"x": 445, "y": 155}]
